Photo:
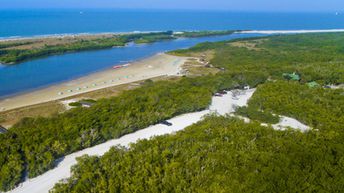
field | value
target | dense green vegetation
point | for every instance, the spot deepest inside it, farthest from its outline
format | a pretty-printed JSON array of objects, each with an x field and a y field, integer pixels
[
  {"x": 80, "y": 103},
  {"x": 257, "y": 114},
  {"x": 34, "y": 144},
  {"x": 217, "y": 155},
  {"x": 10, "y": 56},
  {"x": 319, "y": 108},
  {"x": 75, "y": 104},
  {"x": 150, "y": 37},
  {"x": 316, "y": 57},
  {"x": 8, "y": 45},
  {"x": 227, "y": 155},
  {"x": 252, "y": 157},
  {"x": 19, "y": 55}
]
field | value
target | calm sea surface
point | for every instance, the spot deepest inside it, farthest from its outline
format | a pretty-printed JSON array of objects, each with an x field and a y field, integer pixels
[
  {"x": 47, "y": 71},
  {"x": 42, "y": 22}
]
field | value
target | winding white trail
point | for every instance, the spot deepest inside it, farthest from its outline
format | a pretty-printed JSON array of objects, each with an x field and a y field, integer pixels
[{"x": 220, "y": 105}]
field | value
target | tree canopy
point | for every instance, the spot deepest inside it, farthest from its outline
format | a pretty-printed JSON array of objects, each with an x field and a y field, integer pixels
[{"x": 218, "y": 154}]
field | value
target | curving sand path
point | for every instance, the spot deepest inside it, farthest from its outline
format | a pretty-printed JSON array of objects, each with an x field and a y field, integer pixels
[
  {"x": 220, "y": 105},
  {"x": 156, "y": 66}
]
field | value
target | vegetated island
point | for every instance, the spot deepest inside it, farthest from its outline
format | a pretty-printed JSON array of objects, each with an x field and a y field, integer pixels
[
  {"x": 293, "y": 75},
  {"x": 19, "y": 50}
]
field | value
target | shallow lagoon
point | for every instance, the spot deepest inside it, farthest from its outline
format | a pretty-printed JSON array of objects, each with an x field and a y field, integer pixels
[{"x": 43, "y": 72}]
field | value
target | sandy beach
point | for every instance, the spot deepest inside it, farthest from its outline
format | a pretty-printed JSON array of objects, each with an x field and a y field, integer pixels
[{"x": 155, "y": 66}]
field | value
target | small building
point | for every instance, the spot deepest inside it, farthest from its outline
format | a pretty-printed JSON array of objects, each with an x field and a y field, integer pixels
[{"x": 2, "y": 129}]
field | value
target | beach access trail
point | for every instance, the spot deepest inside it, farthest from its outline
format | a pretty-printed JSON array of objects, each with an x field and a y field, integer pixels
[
  {"x": 220, "y": 105},
  {"x": 224, "y": 105},
  {"x": 155, "y": 66}
]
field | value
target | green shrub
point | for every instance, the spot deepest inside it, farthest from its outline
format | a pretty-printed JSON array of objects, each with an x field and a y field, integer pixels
[
  {"x": 254, "y": 114},
  {"x": 75, "y": 104}
]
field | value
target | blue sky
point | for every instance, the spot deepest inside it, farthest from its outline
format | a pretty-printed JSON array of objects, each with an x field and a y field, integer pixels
[{"x": 235, "y": 5}]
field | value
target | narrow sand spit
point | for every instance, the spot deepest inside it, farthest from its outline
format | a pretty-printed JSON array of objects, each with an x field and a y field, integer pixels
[
  {"x": 156, "y": 66},
  {"x": 72, "y": 35},
  {"x": 221, "y": 105},
  {"x": 290, "y": 31}
]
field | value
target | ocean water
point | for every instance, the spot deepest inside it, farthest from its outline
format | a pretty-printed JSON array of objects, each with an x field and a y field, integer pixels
[
  {"x": 43, "y": 72},
  {"x": 42, "y": 22}
]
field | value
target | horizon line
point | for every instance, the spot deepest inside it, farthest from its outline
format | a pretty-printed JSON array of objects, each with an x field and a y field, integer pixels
[{"x": 171, "y": 9}]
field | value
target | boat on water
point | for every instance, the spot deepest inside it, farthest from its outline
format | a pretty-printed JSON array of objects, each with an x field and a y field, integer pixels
[
  {"x": 117, "y": 67},
  {"x": 120, "y": 66}
]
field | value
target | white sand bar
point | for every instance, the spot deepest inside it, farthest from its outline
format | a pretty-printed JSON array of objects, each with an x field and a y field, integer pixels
[
  {"x": 156, "y": 66},
  {"x": 290, "y": 31},
  {"x": 45, "y": 182}
]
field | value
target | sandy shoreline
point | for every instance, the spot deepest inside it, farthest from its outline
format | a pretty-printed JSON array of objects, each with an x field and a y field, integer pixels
[{"x": 155, "y": 66}]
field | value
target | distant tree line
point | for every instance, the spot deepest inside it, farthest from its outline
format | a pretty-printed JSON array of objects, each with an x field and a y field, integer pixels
[{"x": 10, "y": 55}]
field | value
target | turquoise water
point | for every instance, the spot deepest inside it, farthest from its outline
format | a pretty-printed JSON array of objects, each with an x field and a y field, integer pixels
[{"x": 47, "y": 71}]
